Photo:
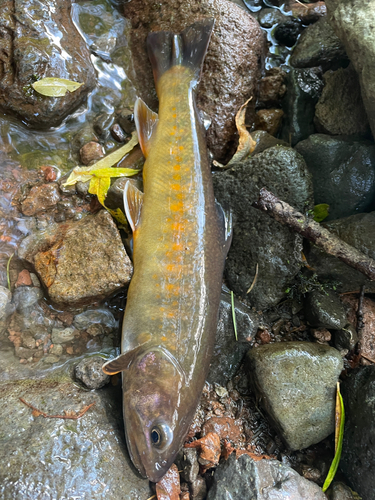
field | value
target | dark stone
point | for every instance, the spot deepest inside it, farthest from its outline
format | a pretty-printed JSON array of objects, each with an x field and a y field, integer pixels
[
  {"x": 39, "y": 42},
  {"x": 102, "y": 125},
  {"x": 288, "y": 31},
  {"x": 346, "y": 338},
  {"x": 340, "y": 491},
  {"x": 325, "y": 310},
  {"x": 303, "y": 90},
  {"x": 296, "y": 384},
  {"x": 340, "y": 109},
  {"x": 358, "y": 452},
  {"x": 243, "y": 478},
  {"x": 343, "y": 171},
  {"x": 125, "y": 118},
  {"x": 271, "y": 88},
  {"x": 257, "y": 238},
  {"x": 264, "y": 140},
  {"x": 187, "y": 462},
  {"x": 89, "y": 372},
  {"x": 229, "y": 352},
  {"x": 117, "y": 133},
  {"x": 319, "y": 46},
  {"x": 269, "y": 17},
  {"x": 358, "y": 231}
]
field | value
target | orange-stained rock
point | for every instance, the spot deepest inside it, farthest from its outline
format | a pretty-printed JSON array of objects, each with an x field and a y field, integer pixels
[
  {"x": 168, "y": 488},
  {"x": 24, "y": 279}
]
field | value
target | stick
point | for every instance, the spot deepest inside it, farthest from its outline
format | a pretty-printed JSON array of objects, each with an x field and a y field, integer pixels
[
  {"x": 330, "y": 243},
  {"x": 68, "y": 415}
]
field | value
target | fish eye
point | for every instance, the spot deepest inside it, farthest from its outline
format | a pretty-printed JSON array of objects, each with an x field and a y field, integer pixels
[
  {"x": 161, "y": 435},
  {"x": 155, "y": 436}
]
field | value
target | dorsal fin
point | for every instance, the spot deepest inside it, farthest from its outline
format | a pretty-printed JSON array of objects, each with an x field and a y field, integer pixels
[
  {"x": 133, "y": 199},
  {"x": 145, "y": 122}
]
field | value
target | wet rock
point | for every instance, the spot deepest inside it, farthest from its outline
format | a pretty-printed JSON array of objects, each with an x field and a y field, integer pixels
[
  {"x": 104, "y": 317},
  {"x": 269, "y": 17},
  {"x": 340, "y": 491},
  {"x": 188, "y": 464},
  {"x": 325, "y": 310},
  {"x": 269, "y": 120},
  {"x": 264, "y": 141},
  {"x": 272, "y": 87},
  {"x": 62, "y": 335},
  {"x": 56, "y": 349},
  {"x": 225, "y": 427},
  {"x": 50, "y": 174},
  {"x": 24, "y": 352},
  {"x": 117, "y": 133},
  {"x": 198, "y": 489},
  {"x": 353, "y": 22},
  {"x": 260, "y": 480},
  {"x": 346, "y": 338},
  {"x": 40, "y": 198},
  {"x": 308, "y": 13},
  {"x": 81, "y": 261},
  {"x": 319, "y": 46},
  {"x": 358, "y": 453},
  {"x": 125, "y": 118},
  {"x": 25, "y": 297},
  {"x": 340, "y": 165},
  {"x": 5, "y": 302},
  {"x": 322, "y": 335},
  {"x": 340, "y": 109},
  {"x": 230, "y": 70},
  {"x": 288, "y": 31},
  {"x": 89, "y": 372},
  {"x": 102, "y": 125},
  {"x": 358, "y": 231},
  {"x": 296, "y": 382},
  {"x": 24, "y": 279},
  {"x": 258, "y": 239},
  {"x": 38, "y": 43},
  {"x": 229, "y": 352},
  {"x": 51, "y": 359},
  {"x": 89, "y": 454},
  {"x": 304, "y": 89},
  {"x": 91, "y": 152}
]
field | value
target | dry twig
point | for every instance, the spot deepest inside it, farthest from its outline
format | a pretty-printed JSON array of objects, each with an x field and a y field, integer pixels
[
  {"x": 69, "y": 414},
  {"x": 320, "y": 236}
]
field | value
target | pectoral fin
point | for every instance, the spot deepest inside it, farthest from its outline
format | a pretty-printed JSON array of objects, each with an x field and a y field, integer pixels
[
  {"x": 145, "y": 122},
  {"x": 133, "y": 199},
  {"x": 120, "y": 363}
]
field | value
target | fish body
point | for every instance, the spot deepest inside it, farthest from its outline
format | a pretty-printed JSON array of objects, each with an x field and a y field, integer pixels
[{"x": 179, "y": 248}]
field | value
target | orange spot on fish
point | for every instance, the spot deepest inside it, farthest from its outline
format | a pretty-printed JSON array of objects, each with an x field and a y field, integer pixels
[
  {"x": 176, "y": 187},
  {"x": 176, "y": 167},
  {"x": 177, "y": 207},
  {"x": 164, "y": 338},
  {"x": 177, "y": 226},
  {"x": 169, "y": 287},
  {"x": 177, "y": 247},
  {"x": 181, "y": 148},
  {"x": 175, "y": 303},
  {"x": 177, "y": 177},
  {"x": 174, "y": 115},
  {"x": 155, "y": 276}
]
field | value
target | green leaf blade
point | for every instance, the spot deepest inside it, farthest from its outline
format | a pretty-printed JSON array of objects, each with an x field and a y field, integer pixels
[
  {"x": 55, "y": 87},
  {"x": 340, "y": 422},
  {"x": 321, "y": 212}
]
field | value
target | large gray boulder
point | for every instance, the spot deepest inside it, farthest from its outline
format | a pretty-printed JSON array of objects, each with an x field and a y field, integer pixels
[{"x": 353, "y": 22}]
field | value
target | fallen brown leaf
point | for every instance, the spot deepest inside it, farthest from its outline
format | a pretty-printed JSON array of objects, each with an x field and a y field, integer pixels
[{"x": 209, "y": 450}]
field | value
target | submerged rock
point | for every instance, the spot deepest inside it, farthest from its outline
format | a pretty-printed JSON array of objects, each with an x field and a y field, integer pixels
[
  {"x": 40, "y": 198},
  {"x": 343, "y": 172},
  {"x": 85, "y": 458},
  {"x": 358, "y": 453},
  {"x": 40, "y": 40},
  {"x": 296, "y": 382},
  {"x": 257, "y": 238},
  {"x": 353, "y": 22},
  {"x": 81, "y": 261},
  {"x": 358, "y": 231},
  {"x": 319, "y": 46},
  {"x": 231, "y": 66},
  {"x": 245, "y": 478}
]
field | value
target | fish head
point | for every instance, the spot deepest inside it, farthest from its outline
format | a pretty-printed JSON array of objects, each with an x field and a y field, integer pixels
[{"x": 155, "y": 423}]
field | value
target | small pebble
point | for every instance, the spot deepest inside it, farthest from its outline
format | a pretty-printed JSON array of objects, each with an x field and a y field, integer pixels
[
  {"x": 50, "y": 359},
  {"x": 117, "y": 133},
  {"x": 89, "y": 372},
  {"x": 91, "y": 151}
]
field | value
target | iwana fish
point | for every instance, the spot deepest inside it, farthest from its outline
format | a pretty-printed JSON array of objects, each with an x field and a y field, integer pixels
[{"x": 180, "y": 240}]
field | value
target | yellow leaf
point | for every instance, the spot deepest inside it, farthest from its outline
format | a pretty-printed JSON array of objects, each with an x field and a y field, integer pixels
[
  {"x": 84, "y": 174},
  {"x": 100, "y": 186},
  {"x": 55, "y": 87}
]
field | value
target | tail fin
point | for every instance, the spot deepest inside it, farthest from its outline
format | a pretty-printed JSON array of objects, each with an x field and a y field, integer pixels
[{"x": 165, "y": 49}]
